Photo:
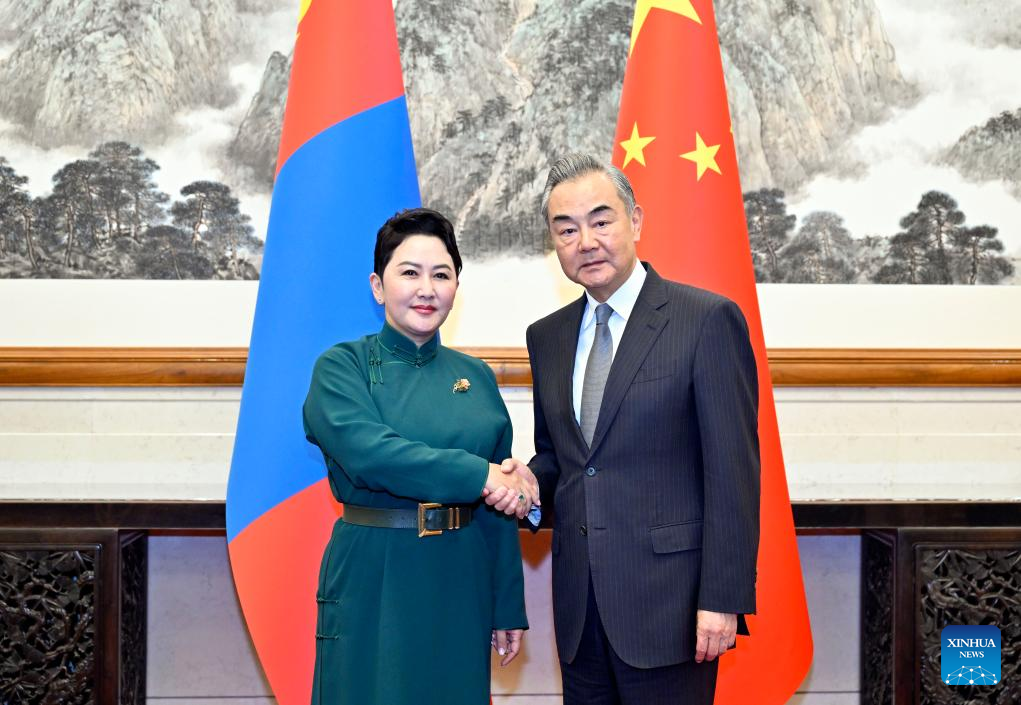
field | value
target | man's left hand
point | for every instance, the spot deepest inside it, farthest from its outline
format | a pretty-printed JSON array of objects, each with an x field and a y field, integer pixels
[{"x": 716, "y": 632}]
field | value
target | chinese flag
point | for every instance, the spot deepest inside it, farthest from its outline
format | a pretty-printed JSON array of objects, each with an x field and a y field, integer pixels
[{"x": 674, "y": 141}]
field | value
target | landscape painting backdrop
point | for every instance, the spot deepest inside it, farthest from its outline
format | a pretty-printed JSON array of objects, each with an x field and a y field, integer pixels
[{"x": 879, "y": 140}]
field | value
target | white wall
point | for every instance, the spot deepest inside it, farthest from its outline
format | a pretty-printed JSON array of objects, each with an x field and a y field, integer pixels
[{"x": 146, "y": 313}]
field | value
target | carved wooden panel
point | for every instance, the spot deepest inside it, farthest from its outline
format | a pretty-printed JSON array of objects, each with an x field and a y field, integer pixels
[
  {"x": 72, "y": 616},
  {"x": 877, "y": 629},
  {"x": 969, "y": 585},
  {"x": 47, "y": 625},
  {"x": 134, "y": 597}
]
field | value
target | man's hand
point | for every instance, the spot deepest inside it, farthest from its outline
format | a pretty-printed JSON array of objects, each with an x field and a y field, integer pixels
[
  {"x": 521, "y": 469},
  {"x": 716, "y": 632},
  {"x": 511, "y": 492}
]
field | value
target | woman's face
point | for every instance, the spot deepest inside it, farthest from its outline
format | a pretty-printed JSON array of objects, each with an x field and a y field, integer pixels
[{"x": 417, "y": 287}]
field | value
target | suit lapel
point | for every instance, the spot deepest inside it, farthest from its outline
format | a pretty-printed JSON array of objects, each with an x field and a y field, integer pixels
[
  {"x": 567, "y": 347},
  {"x": 643, "y": 328}
]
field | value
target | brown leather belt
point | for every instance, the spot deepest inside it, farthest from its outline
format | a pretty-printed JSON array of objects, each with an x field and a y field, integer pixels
[{"x": 430, "y": 519}]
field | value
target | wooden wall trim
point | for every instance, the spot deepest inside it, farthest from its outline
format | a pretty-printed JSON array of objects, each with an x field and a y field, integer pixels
[
  {"x": 895, "y": 368},
  {"x": 122, "y": 367},
  {"x": 216, "y": 367}
]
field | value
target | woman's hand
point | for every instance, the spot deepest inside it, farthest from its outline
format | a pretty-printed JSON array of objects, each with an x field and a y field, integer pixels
[
  {"x": 511, "y": 492},
  {"x": 507, "y": 643}
]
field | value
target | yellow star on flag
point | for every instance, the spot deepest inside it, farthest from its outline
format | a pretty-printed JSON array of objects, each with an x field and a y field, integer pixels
[
  {"x": 704, "y": 156},
  {"x": 683, "y": 8},
  {"x": 305, "y": 4},
  {"x": 634, "y": 145}
]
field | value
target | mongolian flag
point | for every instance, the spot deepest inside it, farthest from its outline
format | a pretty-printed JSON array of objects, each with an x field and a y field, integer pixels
[
  {"x": 345, "y": 165},
  {"x": 675, "y": 143}
]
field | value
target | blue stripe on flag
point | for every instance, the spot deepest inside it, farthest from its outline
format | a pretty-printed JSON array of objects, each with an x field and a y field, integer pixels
[{"x": 329, "y": 200}]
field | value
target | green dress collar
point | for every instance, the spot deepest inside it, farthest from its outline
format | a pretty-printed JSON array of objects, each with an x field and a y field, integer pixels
[{"x": 405, "y": 349}]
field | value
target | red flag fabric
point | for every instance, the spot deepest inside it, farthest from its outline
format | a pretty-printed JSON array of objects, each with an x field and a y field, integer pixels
[{"x": 675, "y": 143}]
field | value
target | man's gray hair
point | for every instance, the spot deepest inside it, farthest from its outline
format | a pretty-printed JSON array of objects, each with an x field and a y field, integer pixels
[{"x": 573, "y": 166}]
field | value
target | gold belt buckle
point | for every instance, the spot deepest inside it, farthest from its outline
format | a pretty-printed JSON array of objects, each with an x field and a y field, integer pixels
[{"x": 422, "y": 508}]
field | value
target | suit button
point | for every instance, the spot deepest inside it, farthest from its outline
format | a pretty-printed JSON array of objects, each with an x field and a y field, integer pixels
[
  {"x": 590, "y": 471},
  {"x": 583, "y": 529}
]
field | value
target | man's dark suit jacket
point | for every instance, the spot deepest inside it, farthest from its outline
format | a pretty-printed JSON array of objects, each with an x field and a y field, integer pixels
[{"x": 663, "y": 509}]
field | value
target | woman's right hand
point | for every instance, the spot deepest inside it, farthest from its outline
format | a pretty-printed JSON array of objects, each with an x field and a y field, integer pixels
[{"x": 504, "y": 490}]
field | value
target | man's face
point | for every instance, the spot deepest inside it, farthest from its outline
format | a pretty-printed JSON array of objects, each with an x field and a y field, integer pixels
[{"x": 593, "y": 234}]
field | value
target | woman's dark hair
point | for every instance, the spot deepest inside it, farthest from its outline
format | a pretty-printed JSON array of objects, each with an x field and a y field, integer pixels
[{"x": 414, "y": 221}]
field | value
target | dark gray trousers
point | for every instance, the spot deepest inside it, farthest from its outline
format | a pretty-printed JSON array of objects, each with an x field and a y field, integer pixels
[{"x": 597, "y": 676}]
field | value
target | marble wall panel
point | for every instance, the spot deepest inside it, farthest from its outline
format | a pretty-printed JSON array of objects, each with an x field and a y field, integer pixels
[
  {"x": 198, "y": 646},
  {"x": 176, "y": 443},
  {"x": 889, "y": 443}
]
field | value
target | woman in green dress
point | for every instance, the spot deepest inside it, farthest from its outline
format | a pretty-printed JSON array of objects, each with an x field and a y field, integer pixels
[{"x": 413, "y": 434}]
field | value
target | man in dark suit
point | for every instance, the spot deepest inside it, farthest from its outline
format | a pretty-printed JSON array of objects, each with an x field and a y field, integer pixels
[{"x": 646, "y": 442}]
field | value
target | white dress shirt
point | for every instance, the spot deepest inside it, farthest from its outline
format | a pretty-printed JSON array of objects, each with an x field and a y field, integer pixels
[{"x": 622, "y": 301}]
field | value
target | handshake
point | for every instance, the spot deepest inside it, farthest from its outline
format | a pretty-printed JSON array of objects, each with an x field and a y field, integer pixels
[{"x": 511, "y": 488}]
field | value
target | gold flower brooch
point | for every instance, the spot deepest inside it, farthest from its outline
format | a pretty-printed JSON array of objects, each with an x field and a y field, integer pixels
[{"x": 462, "y": 385}]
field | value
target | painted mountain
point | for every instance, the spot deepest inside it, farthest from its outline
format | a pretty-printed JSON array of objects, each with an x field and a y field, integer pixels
[{"x": 852, "y": 120}]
